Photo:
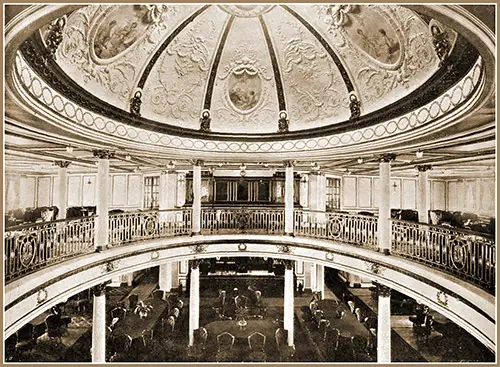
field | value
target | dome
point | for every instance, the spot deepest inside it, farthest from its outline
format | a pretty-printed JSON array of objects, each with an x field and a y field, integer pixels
[{"x": 223, "y": 80}]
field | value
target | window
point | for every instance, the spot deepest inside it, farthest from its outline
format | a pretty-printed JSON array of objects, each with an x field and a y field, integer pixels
[
  {"x": 151, "y": 192},
  {"x": 332, "y": 193}
]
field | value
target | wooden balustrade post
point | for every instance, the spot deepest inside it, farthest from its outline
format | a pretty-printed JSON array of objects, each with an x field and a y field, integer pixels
[
  {"x": 197, "y": 197},
  {"x": 289, "y": 194}
]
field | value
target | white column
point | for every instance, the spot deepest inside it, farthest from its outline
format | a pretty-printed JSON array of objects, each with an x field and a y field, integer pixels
[
  {"x": 289, "y": 187},
  {"x": 288, "y": 304},
  {"x": 384, "y": 210},
  {"x": 423, "y": 202},
  {"x": 197, "y": 197},
  {"x": 194, "y": 301},
  {"x": 165, "y": 277},
  {"x": 320, "y": 280},
  {"x": 384, "y": 325},
  {"x": 314, "y": 278},
  {"x": 61, "y": 197},
  {"x": 99, "y": 325},
  {"x": 102, "y": 221}
]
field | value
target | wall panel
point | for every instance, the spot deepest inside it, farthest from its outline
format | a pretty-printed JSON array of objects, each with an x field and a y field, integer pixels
[
  {"x": 134, "y": 190},
  {"x": 364, "y": 192},
  {"x": 349, "y": 192},
  {"x": 409, "y": 194},
  {"x": 89, "y": 190},
  {"x": 44, "y": 197},
  {"x": 438, "y": 195},
  {"x": 74, "y": 191},
  {"x": 118, "y": 190}
]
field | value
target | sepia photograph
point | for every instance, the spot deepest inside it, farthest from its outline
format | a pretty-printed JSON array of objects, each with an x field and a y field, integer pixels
[{"x": 237, "y": 183}]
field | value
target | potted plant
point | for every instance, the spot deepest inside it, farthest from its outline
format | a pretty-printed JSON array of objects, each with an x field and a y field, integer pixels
[{"x": 142, "y": 309}]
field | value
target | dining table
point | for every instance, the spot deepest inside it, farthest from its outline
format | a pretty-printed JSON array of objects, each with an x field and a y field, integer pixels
[
  {"x": 266, "y": 327},
  {"x": 133, "y": 325}
]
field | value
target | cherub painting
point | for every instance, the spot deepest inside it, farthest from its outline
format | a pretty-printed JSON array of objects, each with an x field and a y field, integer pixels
[{"x": 244, "y": 90}]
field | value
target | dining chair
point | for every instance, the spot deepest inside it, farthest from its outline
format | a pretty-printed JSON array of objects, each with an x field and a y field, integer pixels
[
  {"x": 158, "y": 294},
  {"x": 331, "y": 338},
  {"x": 118, "y": 312},
  {"x": 360, "y": 348},
  {"x": 53, "y": 328},
  {"x": 359, "y": 314},
  {"x": 256, "y": 343},
  {"x": 352, "y": 305},
  {"x": 24, "y": 339},
  {"x": 133, "y": 299},
  {"x": 225, "y": 342}
]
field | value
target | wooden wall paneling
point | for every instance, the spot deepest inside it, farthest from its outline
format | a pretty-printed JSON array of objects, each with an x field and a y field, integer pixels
[
  {"x": 89, "y": 188},
  {"x": 43, "y": 191},
  {"x": 364, "y": 192},
  {"x": 438, "y": 195},
  {"x": 349, "y": 192},
  {"x": 118, "y": 190},
  {"x": 409, "y": 194},
  {"x": 395, "y": 193},
  {"x": 134, "y": 190}
]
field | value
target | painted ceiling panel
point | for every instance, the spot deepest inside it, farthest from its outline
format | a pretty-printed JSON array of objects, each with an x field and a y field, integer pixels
[
  {"x": 175, "y": 89},
  {"x": 244, "y": 94},
  {"x": 387, "y": 50},
  {"x": 105, "y": 47},
  {"x": 315, "y": 92}
]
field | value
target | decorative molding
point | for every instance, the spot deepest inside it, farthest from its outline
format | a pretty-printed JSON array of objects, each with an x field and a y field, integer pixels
[
  {"x": 285, "y": 249},
  {"x": 289, "y": 163},
  {"x": 374, "y": 268},
  {"x": 387, "y": 157},
  {"x": 42, "y": 295},
  {"x": 423, "y": 167},
  {"x": 205, "y": 121},
  {"x": 103, "y": 153},
  {"x": 442, "y": 298},
  {"x": 110, "y": 266},
  {"x": 62, "y": 164},
  {"x": 287, "y": 263},
  {"x": 55, "y": 36},
  {"x": 97, "y": 119},
  {"x": 198, "y": 249},
  {"x": 283, "y": 122},
  {"x": 155, "y": 255},
  {"x": 135, "y": 103},
  {"x": 198, "y": 162},
  {"x": 354, "y": 106},
  {"x": 276, "y": 70},
  {"x": 440, "y": 40},
  {"x": 329, "y": 256}
]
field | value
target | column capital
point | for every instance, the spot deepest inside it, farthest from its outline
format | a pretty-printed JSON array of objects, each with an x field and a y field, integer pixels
[
  {"x": 62, "y": 164},
  {"x": 198, "y": 162},
  {"x": 100, "y": 289},
  {"x": 387, "y": 157},
  {"x": 194, "y": 264},
  {"x": 287, "y": 263},
  {"x": 383, "y": 290},
  {"x": 103, "y": 153},
  {"x": 289, "y": 163},
  {"x": 423, "y": 167}
]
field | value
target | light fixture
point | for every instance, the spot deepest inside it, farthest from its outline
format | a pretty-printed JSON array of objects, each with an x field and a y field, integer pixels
[
  {"x": 315, "y": 166},
  {"x": 171, "y": 165},
  {"x": 136, "y": 169},
  {"x": 128, "y": 157},
  {"x": 243, "y": 168},
  {"x": 349, "y": 172},
  {"x": 220, "y": 164},
  {"x": 242, "y": 247},
  {"x": 419, "y": 154},
  {"x": 69, "y": 149},
  {"x": 211, "y": 169},
  {"x": 329, "y": 256},
  {"x": 360, "y": 160},
  {"x": 266, "y": 165}
]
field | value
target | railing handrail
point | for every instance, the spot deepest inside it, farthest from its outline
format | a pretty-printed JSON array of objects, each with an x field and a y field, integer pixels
[
  {"x": 336, "y": 213},
  {"x": 451, "y": 229},
  {"x": 36, "y": 224}
]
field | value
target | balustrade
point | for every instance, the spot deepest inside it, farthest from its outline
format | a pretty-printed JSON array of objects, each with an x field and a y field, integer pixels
[
  {"x": 464, "y": 253},
  {"x": 220, "y": 220},
  {"x": 359, "y": 230},
  {"x": 32, "y": 246},
  {"x": 142, "y": 225}
]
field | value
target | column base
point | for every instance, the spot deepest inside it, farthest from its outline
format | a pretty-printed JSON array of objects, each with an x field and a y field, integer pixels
[
  {"x": 291, "y": 234},
  {"x": 196, "y": 233},
  {"x": 99, "y": 248},
  {"x": 384, "y": 251}
]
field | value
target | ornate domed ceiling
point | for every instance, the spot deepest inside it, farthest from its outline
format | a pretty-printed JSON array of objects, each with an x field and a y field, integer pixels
[{"x": 244, "y": 64}]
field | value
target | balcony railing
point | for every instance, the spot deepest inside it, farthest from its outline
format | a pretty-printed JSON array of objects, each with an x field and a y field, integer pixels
[
  {"x": 231, "y": 220},
  {"x": 32, "y": 246},
  {"x": 143, "y": 225},
  {"x": 464, "y": 253},
  {"x": 359, "y": 230}
]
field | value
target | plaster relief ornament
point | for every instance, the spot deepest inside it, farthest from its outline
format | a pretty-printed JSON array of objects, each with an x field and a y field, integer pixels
[
  {"x": 337, "y": 15},
  {"x": 243, "y": 77}
]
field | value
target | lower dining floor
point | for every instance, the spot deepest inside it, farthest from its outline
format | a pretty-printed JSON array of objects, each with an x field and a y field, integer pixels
[{"x": 168, "y": 341}]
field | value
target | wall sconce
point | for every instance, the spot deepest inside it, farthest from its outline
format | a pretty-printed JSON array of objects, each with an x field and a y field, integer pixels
[
  {"x": 315, "y": 166},
  {"x": 171, "y": 165},
  {"x": 128, "y": 157},
  {"x": 69, "y": 149},
  {"x": 360, "y": 160},
  {"x": 329, "y": 256},
  {"x": 242, "y": 247},
  {"x": 220, "y": 164},
  {"x": 419, "y": 154},
  {"x": 349, "y": 172}
]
